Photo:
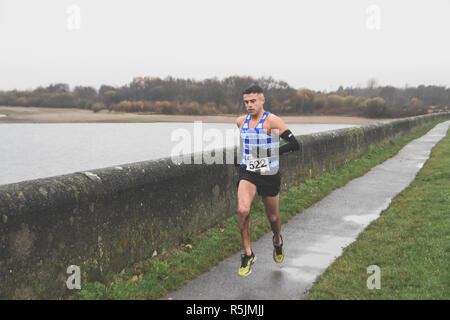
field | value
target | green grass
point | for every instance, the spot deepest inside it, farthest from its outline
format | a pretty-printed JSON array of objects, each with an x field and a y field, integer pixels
[
  {"x": 410, "y": 243},
  {"x": 172, "y": 269}
]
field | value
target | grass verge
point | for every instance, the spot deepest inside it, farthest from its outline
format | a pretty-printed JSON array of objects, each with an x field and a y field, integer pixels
[
  {"x": 172, "y": 269},
  {"x": 410, "y": 243}
]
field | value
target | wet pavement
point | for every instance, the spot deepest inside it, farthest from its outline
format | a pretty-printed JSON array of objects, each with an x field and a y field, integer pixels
[{"x": 316, "y": 237}]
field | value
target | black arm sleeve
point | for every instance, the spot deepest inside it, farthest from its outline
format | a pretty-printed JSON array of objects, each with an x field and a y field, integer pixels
[{"x": 292, "y": 144}]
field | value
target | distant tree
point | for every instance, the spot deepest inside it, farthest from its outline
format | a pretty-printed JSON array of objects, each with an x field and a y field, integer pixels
[
  {"x": 96, "y": 107},
  {"x": 302, "y": 100},
  {"x": 85, "y": 92},
  {"x": 103, "y": 89},
  {"x": 351, "y": 101},
  {"x": 110, "y": 98},
  {"x": 335, "y": 101},
  {"x": 371, "y": 83},
  {"x": 319, "y": 101},
  {"x": 416, "y": 103},
  {"x": 376, "y": 107},
  {"x": 388, "y": 93},
  {"x": 341, "y": 91},
  {"x": 191, "y": 108},
  {"x": 86, "y": 96},
  {"x": 168, "y": 107},
  {"x": 58, "y": 88}
]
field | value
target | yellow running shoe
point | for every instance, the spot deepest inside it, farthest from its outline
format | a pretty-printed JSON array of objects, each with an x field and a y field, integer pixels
[
  {"x": 278, "y": 251},
  {"x": 246, "y": 264}
]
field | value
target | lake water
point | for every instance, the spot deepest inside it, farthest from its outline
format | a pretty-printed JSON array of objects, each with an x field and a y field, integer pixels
[{"x": 30, "y": 151}]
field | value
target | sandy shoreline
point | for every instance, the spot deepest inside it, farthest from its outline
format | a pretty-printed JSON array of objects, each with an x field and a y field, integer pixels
[{"x": 61, "y": 115}]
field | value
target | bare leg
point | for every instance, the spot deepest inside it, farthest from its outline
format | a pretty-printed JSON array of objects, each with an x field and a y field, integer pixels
[
  {"x": 271, "y": 208},
  {"x": 246, "y": 194}
]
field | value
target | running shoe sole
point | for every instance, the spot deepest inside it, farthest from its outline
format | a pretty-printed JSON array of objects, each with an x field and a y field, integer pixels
[{"x": 250, "y": 271}]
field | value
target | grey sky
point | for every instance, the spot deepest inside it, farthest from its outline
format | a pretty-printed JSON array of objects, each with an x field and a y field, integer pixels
[{"x": 317, "y": 44}]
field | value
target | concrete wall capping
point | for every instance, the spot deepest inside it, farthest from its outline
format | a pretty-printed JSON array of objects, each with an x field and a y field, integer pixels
[{"x": 108, "y": 218}]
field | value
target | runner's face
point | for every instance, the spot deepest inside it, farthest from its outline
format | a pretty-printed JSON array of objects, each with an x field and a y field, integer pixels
[{"x": 254, "y": 103}]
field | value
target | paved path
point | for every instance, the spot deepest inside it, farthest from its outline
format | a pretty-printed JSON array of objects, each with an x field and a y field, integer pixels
[{"x": 315, "y": 238}]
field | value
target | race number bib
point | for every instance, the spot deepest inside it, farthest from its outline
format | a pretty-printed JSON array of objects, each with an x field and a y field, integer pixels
[{"x": 257, "y": 164}]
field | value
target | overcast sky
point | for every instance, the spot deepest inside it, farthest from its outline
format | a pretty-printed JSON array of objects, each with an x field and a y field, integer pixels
[{"x": 317, "y": 44}]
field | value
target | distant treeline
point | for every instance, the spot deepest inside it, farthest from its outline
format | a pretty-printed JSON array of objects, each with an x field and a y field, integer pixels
[{"x": 214, "y": 96}]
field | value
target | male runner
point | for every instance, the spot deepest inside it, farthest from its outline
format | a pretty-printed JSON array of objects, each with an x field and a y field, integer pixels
[{"x": 258, "y": 170}]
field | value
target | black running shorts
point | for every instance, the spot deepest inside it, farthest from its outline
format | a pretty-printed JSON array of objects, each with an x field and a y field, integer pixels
[{"x": 266, "y": 185}]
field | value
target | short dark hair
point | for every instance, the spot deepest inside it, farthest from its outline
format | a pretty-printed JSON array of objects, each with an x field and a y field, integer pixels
[{"x": 254, "y": 88}]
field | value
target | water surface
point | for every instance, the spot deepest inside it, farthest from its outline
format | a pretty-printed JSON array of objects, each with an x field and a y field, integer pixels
[{"x": 37, "y": 150}]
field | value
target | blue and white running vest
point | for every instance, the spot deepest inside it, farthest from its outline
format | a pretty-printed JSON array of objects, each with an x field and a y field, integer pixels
[{"x": 256, "y": 142}]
